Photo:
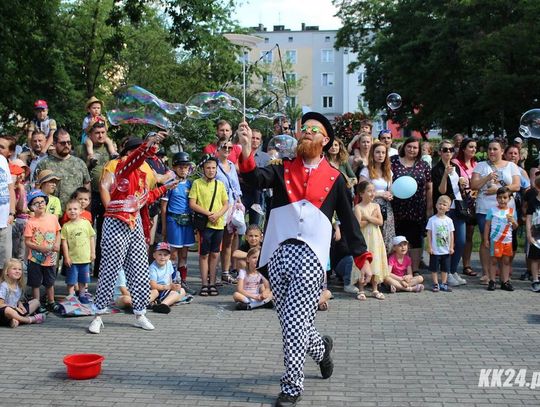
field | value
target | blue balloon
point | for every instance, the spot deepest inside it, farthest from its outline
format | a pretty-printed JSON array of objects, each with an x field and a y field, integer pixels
[{"x": 404, "y": 187}]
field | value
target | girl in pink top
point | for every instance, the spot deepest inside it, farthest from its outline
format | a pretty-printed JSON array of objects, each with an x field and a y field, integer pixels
[
  {"x": 253, "y": 290},
  {"x": 401, "y": 277}
]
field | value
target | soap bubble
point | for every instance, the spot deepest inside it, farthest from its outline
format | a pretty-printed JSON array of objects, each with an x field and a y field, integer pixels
[
  {"x": 141, "y": 116},
  {"x": 122, "y": 185},
  {"x": 529, "y": 124},
  {"x": 284, "y": 145},
  {"x": 131, "y": 204},
  {"x": 393, "y": 101},
  {"x": 210, "y": 102}
]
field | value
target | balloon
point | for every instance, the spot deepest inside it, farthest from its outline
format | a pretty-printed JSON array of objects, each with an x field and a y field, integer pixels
[
  {"x": 284, "y": 145},
  {"x": 529, "y": 124},
  {"x": 393, "y": 101},
  {"x": 404, "y": 187}
]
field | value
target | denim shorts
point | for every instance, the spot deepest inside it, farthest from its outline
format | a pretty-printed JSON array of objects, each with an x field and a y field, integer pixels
[
  {"x": 481, "y": 219},
  {"x": 439, "y": 262},
  {"x": 78, "y": 273}
]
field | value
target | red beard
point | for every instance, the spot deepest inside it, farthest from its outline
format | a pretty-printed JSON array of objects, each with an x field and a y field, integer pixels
[{"x": 309, "y": 149}]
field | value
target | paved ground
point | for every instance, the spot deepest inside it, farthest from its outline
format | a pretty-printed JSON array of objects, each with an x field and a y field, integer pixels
[{"x": 410, "y": 350}]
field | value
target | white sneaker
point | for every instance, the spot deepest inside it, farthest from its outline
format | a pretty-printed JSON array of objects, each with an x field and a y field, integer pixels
[
  {"x": 452, "y": 282},
  {"x": 95, "y": 325},
  {"x": 142, "y": 322},
  {"x": 351, "y": 288},
  {"x": 459, "y": 279}
]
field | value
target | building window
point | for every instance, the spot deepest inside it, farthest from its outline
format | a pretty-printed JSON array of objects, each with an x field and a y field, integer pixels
[
  {"x": 327, "y": 102},
  {"x": 291, "y": 101},
  {"x": 266, "y": 40},
  {"x": 327, "y": 39},
  {"x": 327, "y": 55},
  {"x": 290, "y": 56},
  {"x": 327, "y": 79},
  {"x": 266, "y": 56},
  {"x": 268, "y": 78},
  {"x": 290, "y": 77},
  {"x": 360, "y": 77},
  {"x": 290, "y": 39}
]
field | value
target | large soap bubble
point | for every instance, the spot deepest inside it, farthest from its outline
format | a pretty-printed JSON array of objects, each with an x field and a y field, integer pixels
[
  {"x": 284, "y": 145},
  {"x": 393, "y": 101},
  {"x": 529, "y": 124}
]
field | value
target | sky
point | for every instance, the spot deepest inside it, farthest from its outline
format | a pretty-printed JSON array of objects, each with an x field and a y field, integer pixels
[{"x": 290, "y": 13}]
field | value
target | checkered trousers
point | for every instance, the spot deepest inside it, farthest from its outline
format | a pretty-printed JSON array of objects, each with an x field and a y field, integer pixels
[
  {"x": 296, "y": 278},
  {"x": 123, "y": 247}
]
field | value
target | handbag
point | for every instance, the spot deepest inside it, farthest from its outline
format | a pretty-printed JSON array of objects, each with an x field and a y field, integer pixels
[
  {"x": 200, "y": 220},
  {"x": 466, "y": 208}
]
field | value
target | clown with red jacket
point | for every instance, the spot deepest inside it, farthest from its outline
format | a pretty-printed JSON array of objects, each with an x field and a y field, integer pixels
[
  {"x": 123, "y": 244},
  {"x": 307, "y": 192}
]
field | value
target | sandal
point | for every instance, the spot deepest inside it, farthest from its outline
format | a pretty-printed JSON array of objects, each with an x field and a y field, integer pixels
[
  {"x": 361, "y": 296},
  {"x": 468, "y": 271},
  {"x": 323, "y": 306},
  {"x": 435, "y": 288},
  {"x": 203, "y": 292},
  {"x": 212, "y": 290},
  {"x": 378, "y": 295}
]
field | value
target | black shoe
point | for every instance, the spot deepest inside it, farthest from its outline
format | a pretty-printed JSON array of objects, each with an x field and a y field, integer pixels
[
  {"x": 525, "y": 275},
  {"x": 161, "y": 308},
  {"x": 53, "y": 307},
  {"x": 286, "y": 400},
  {"x": 327, "y": 364},
  {"x": 242, "y": 306},
  {"x": 187, "y": 288},
  {"x": 507, "y": 286},
  {"x": 269, "y": 304},
  {"x": 491, "y": 285}
]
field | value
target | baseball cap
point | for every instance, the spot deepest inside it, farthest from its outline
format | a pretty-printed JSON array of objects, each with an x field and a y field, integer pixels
[
  {"x": 518, "y": 140},
  {"x": 36, "y": 193},
  {"x": 163, "y": 246},
  {"x": 398, "y": 240},
  {"x": 40, "y": 104}
]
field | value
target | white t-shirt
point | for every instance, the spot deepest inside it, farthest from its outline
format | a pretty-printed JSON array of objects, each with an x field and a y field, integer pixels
[
  {"x": 5, "y": 181},
  {"x": 392, "y": 151},
  {"x": 380, "y": 184},
  {"x": 483, "y": 201},
  {"x": 441, "y": 228}
]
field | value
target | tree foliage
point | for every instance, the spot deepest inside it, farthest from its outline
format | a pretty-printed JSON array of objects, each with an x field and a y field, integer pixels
[{"x": 462, "y": 65}]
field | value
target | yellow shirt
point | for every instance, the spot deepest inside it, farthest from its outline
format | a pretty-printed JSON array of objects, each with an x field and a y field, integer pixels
[
  {"x": 202, "y": 191},
  {"x": 54, "y": 206},
  {"x": 150, "y": 177},
  {"x": 78, "y": 235}
]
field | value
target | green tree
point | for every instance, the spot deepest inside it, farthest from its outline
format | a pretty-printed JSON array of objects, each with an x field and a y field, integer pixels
[{"x": 463, "y": 65}]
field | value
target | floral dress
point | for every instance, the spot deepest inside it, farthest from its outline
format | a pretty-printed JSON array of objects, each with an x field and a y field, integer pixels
[{"x": 413, "y": 208}]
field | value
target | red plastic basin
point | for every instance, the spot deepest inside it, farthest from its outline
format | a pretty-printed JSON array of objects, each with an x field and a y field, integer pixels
[{"x": 83, "y": 365}]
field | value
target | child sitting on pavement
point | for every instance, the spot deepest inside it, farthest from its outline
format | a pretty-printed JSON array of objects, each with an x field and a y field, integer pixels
[
  {"x": 253, "y": 290},
  {"x": 164, "y": 293},
  {"x": 12, "y": 310},
  {"x": 122, "y": 297},
  {"x": 253, "y": 238},
  {"x": 401, "y": 276}
]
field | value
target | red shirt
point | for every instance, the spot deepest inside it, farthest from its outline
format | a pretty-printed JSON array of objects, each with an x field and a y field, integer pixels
[{"x": 85, "y": 215}]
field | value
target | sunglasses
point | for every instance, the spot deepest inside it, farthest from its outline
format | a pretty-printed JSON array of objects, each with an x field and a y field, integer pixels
[
  {"x": 447, "y": 150},
  {"x": 64, "y": 143},
  {"x": 314, "y": 129},
  {"x": 225, "y": 148}
]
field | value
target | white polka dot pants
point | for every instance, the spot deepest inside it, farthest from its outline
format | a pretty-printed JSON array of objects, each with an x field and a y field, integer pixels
[
  {"x": 296, "y": 278},
  {"x": 123, "y": 247}
]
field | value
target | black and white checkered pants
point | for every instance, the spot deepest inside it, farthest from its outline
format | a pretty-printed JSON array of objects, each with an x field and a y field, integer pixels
[
  {"x": 123, "y": 248},
  {"x": 296, "y": 278}
]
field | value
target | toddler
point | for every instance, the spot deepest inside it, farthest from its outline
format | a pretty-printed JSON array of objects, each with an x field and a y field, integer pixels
[
  {"x": 440, "y": 243},
  {"x": 253, "y": 290},
  {"x": 12, "y": 310},
  {"x": 94, "y": 107},
  {"x": 401, "y": 276},
  {"x": 83, "y": 196},
  {"x": 79, "y": 249},
  {"x": 500, "y": 222},
  {"x": 164, "y": 293}
]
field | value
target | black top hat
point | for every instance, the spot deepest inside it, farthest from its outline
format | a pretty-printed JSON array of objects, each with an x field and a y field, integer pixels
[
  {"x": 131, "y": 144},
  {"x": 326, "y": 124}
]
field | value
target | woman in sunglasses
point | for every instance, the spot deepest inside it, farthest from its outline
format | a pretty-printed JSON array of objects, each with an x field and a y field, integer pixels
[{"x": 447, "y": 180}]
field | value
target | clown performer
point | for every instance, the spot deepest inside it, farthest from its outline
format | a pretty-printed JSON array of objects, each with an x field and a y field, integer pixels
[
  {"x": 123, "y": 244},
  {"x": 307, "y": 192}
]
